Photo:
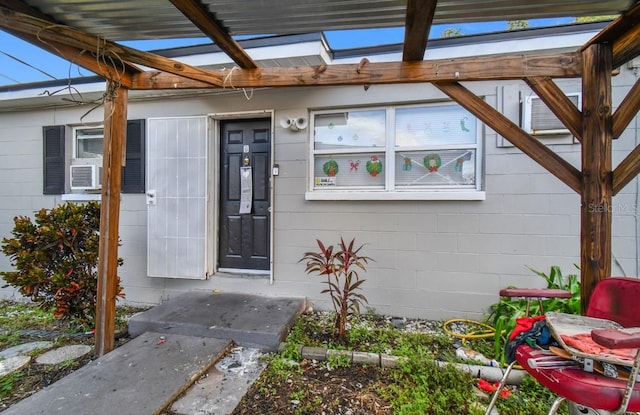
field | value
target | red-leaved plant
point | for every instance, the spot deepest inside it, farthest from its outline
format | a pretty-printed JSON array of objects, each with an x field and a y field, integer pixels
[{"x": 340, "y": 266}]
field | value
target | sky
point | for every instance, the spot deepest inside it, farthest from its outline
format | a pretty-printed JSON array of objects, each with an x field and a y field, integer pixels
[{"x": 21, "y": 62}]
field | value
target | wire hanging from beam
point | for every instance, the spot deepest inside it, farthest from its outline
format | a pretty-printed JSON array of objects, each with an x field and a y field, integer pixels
[
  {"x": 9, "y": 78},
  {"x": 26, "y": 64},
  {"x": 104, "y": 58}
]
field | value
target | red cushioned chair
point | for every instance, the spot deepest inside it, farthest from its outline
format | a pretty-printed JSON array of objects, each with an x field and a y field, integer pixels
[{"x": 616, "y": 299}]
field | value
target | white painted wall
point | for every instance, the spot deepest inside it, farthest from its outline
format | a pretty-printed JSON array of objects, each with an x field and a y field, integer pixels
[{"x": 434, "y": 259}]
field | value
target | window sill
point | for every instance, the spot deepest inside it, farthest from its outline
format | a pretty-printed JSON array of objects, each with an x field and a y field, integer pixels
[
  {"x": 81, "y": 197},
  {"x": 358, "y": 195}
]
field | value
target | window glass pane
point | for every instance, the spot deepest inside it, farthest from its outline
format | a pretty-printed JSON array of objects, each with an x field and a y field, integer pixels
[
  {"x": 434, "y": 126},
  {"x": 445, "y": 168},
  {"x": 356, "y": 170},
  {"x": 89, "y": 142},
  {"x": 349, "y": 129}
]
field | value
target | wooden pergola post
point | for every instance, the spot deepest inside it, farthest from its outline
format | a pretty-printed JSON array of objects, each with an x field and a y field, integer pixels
[
  {"x": 597, "y": 180},
  {"x": 115, "y": 126}
]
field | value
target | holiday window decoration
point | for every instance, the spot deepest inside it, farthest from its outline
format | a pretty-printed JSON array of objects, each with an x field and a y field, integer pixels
[
  {"x": 374, "y": 166},
  {"x": 432, "y": 162},
  {"x": 331, "y": 168}
]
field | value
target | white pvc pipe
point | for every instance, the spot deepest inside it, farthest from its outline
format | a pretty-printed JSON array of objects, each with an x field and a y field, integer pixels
[{"x": 489, "y": 373}]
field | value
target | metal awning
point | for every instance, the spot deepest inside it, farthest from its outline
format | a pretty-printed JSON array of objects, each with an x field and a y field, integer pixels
[{"x": 155, "y": 19}]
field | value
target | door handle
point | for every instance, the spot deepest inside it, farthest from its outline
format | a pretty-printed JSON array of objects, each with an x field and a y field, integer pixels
[{"x": 246, "y": 161}]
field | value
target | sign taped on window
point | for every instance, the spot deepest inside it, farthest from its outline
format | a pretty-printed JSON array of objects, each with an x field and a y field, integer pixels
[{"x": 246, "y": 190}]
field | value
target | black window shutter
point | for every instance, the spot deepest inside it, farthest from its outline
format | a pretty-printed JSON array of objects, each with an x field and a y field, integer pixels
[
  {"x": 53, "y": 160},
  {"x": 133, "y": 172}
]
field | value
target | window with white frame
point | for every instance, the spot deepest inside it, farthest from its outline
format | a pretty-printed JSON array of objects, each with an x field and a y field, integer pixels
[
  {"x": 88, "y": 142},
  {"x": 396, "y": 152}
]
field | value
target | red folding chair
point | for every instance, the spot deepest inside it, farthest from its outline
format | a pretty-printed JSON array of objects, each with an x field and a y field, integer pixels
[{"x": 615, "y": 299}]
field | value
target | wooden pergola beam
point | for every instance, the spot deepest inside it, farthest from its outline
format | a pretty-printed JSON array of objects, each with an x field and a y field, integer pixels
[
  {"x": 107, "y": 50},
  {"x": 207, "y": 23},
  {"x": 416, "y": 29},
  {"x": 597, "y": 184},
  {"x": 624, "y": 34},
  {"x": 115, "y": 127},
  {"x": 627, "y": 170},
  {"x": 503, "y": 67},
  {"x": 627, "y": 110},
  {"x": 529, "y": 145},
  {"x": 627, "y": 46},
  {"x": 558, "y": 103}
]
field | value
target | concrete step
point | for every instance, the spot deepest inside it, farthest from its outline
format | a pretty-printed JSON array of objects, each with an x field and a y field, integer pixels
[
  {"x": 250, "y": 321},
  {"x": 142, "y": 377}
]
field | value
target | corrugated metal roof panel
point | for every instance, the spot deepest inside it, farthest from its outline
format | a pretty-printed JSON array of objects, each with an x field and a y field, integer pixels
[{"x": 156, "y": 19}]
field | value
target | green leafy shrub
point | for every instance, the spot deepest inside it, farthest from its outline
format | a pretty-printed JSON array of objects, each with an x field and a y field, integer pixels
[
  {"x": 505, "y": 312},
  {"x": 56, "y": 259},
  {"x": 343, "y": 282}
]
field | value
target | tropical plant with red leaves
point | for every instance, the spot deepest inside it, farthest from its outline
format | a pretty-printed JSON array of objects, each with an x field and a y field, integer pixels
[
  {"x": 55, "y": 257},
  {"x": 340, "y": 266}
]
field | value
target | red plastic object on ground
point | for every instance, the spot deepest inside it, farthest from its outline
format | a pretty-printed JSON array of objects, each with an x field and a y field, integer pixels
[{"x": 614, "y": 299}]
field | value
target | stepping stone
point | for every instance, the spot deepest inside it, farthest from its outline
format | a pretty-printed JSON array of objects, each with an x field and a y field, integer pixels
[
  {"x": 13, "y": 363},
  {"x": 23, "y": 349},
  {"x": 143, "y": 376},
  {"x": 62, "y": 354}
]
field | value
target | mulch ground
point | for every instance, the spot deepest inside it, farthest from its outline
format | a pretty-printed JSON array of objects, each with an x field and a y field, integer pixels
[{"x": 319, "y": 390}]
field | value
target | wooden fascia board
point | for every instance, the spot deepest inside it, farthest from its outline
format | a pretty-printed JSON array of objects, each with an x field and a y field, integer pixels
[
  {"x": 529, "y": 145},
  {"x": 484, "y": 68},
  {"x": 623, "y": 34},
  {"x": 417, "y": 26},
  {"x": 627, "y": 170},
  {"x": 108, "y": 50},
  {"x": 558, "y": 103},
  {"x": 204, "y": 20},
  {"x": 627, "y": 109}
]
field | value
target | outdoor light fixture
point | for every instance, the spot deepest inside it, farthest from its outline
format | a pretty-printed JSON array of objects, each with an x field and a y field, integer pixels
[{"x": 294, "y": 124}]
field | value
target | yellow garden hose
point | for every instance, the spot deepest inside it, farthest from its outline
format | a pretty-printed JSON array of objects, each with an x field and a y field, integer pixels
[{"x": 484, "y": 331}]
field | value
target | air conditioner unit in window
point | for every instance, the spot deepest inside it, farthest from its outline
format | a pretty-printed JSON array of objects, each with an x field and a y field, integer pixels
[
  {"x": 86, "y": 177},
  {"x": 537, "y": 118}
]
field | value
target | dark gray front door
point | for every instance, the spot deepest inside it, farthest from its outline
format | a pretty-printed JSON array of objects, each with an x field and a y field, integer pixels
[{"x": 244, "y": 233}]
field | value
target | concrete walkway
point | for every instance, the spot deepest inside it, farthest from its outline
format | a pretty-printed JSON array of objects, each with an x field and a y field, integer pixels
[{"x": 177, "y": 343}]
